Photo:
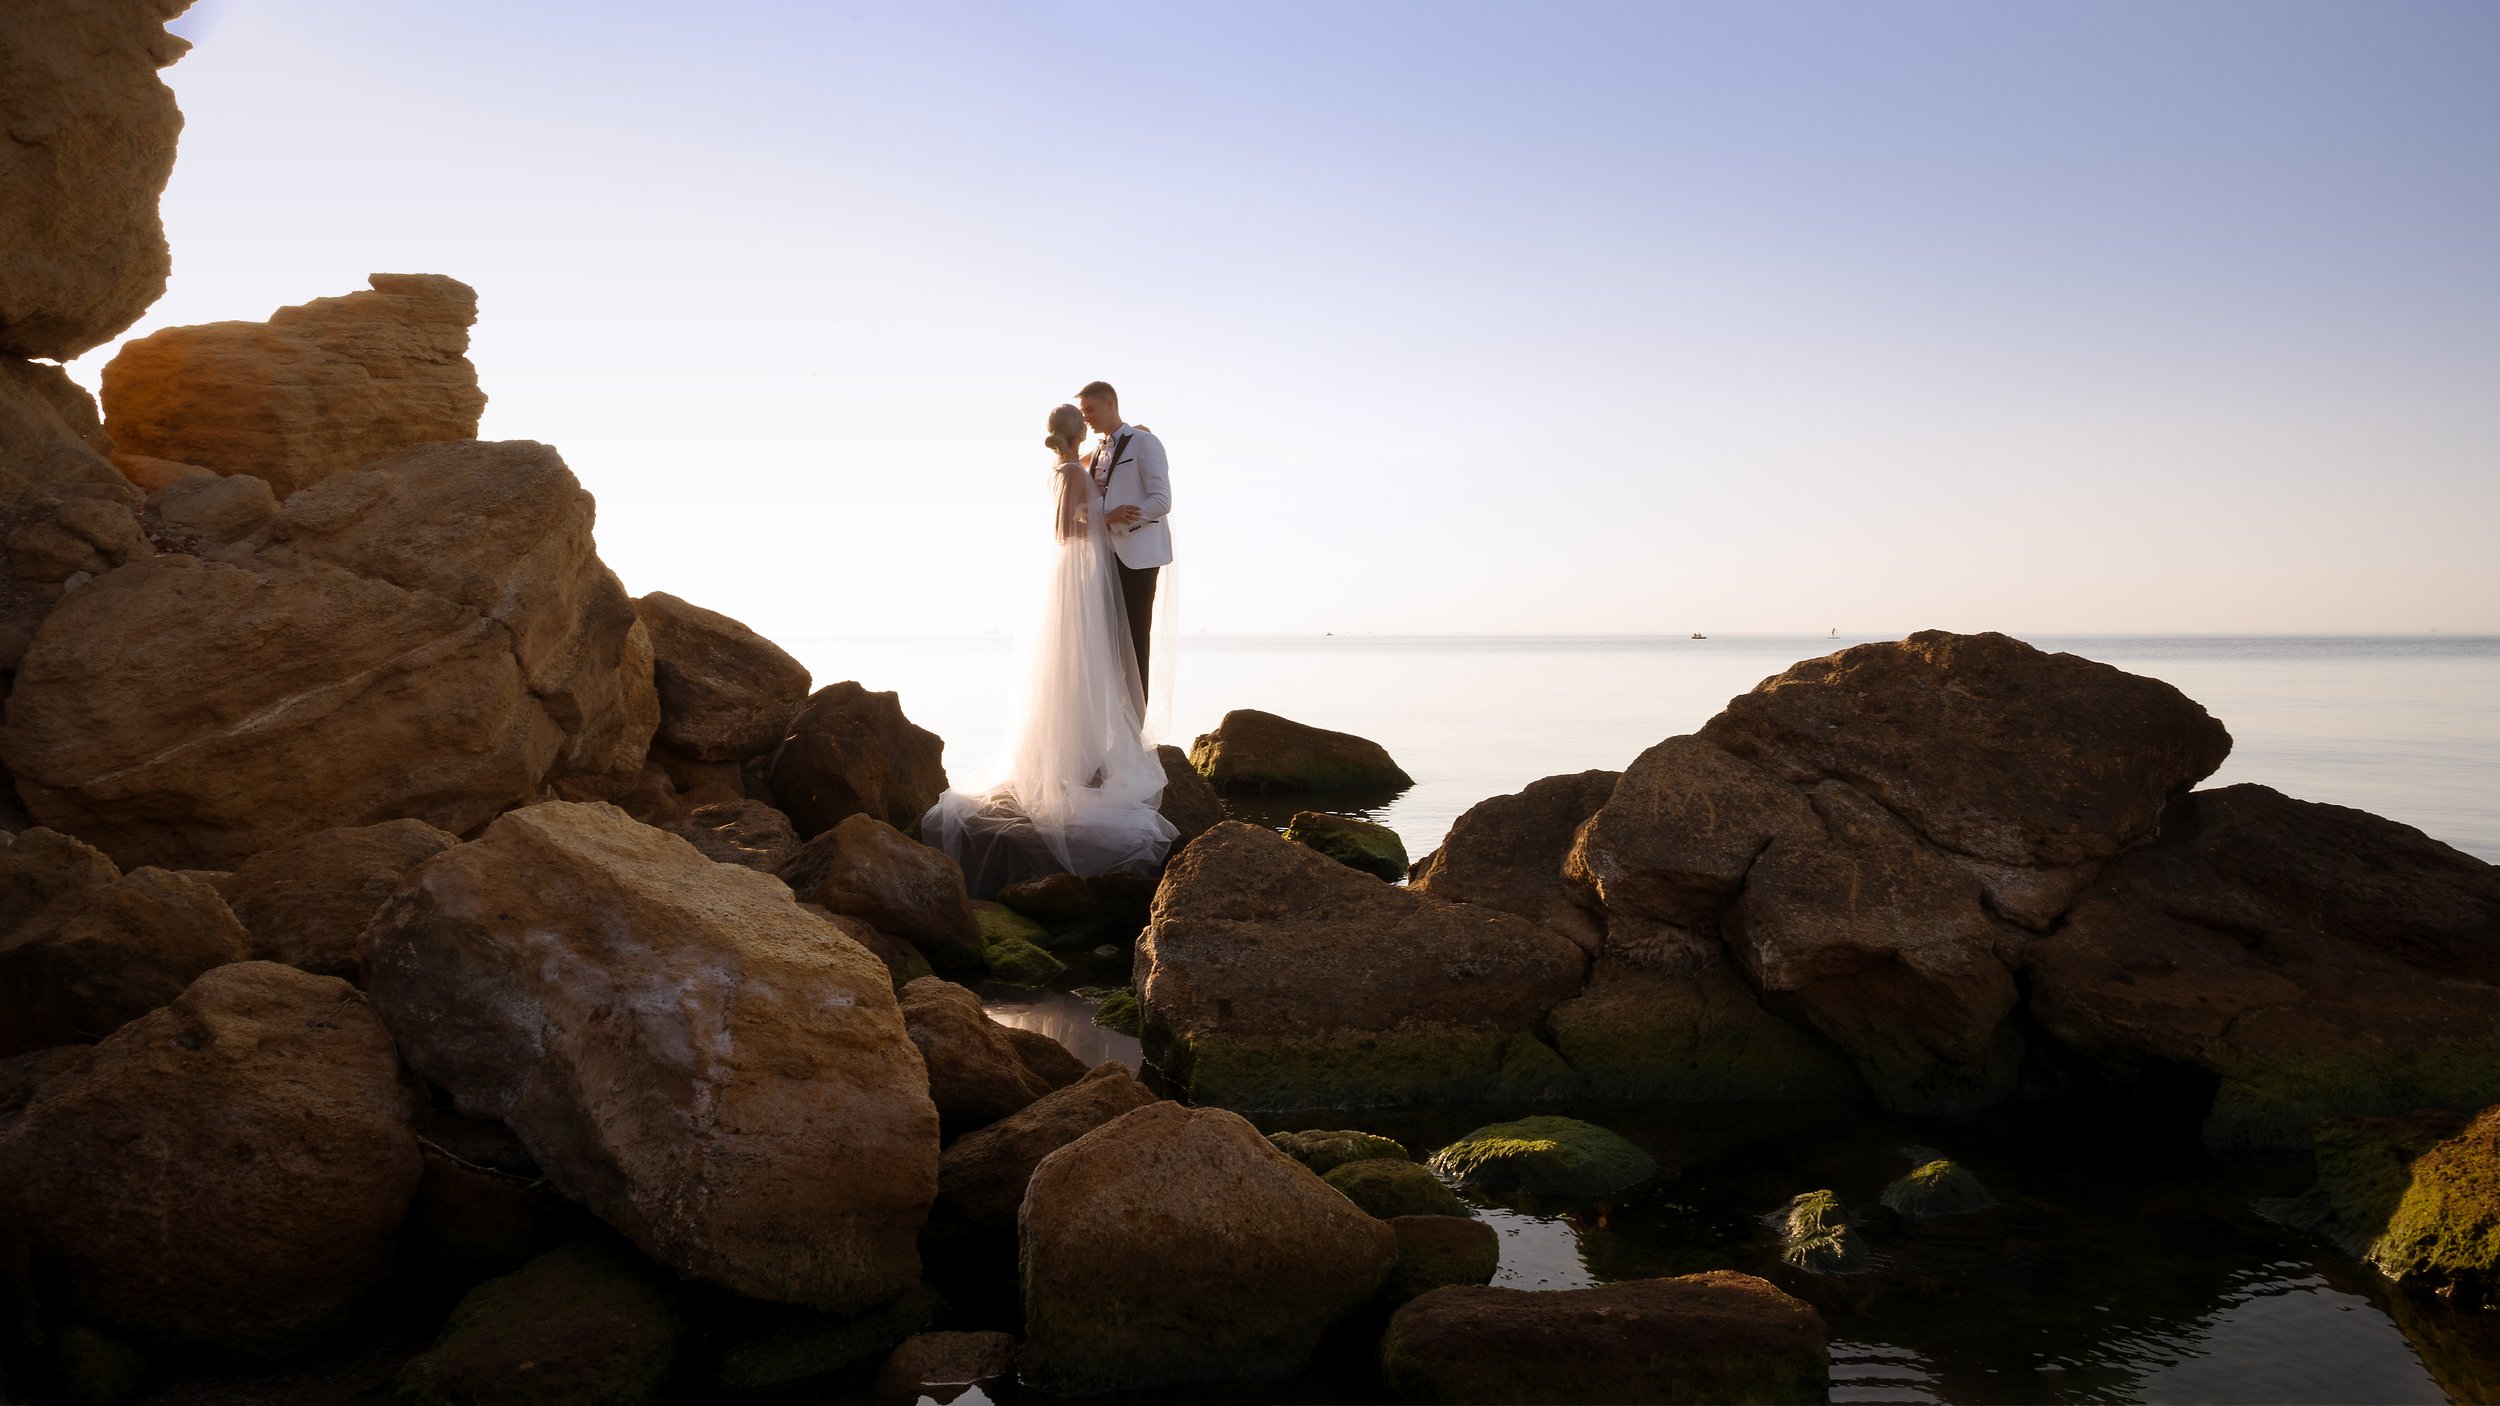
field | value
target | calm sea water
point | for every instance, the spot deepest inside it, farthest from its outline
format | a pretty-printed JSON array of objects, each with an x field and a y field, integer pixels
[{"x": 2406, "y": 726}]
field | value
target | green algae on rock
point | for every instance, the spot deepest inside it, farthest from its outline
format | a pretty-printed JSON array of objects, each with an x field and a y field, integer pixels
[
  {"x": 1698, "y": 1036},
  {"x": 1815, "y": 1236},
  {"x": 1938, "y": 1187},
  {"x": 1363, "y": 845},
  {"x": 1324, "y": 1150},
  {"x": 2418, "y": 1196},
  {"x": 1118, "y": 1010},
  {"x": 1546, "y": 1156},
  {"x": 1261, "y": 752},
  {"x": 1011, "y": 945},
  {"x": 1388, "y": 1187},
  {"x": 1436, "y": 1252},
  {"x": 590, "y": 1322}
]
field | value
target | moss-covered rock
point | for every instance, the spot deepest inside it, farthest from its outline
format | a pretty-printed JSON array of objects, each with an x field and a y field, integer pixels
[
  {"x": 1436, "y": 1252},
  {"x": 1011, "y": 944},
  {"x": 1815, "y": 1236},
  {"x": 1078, "y": 911},
  {"x": 1698, "y": 1036},
  {"x": 1546, "y": 1156},
  {"x": 1261, "y": 752},
  {"x": 1324, "y": 1150},
  {"x": 2274, "y": 1102},
  {"x": 94, "y": 1368},
  {"x": 1119, "y": 1011},
  {"x": 1936, "y": 1188},
  {"x": 781, "y": 1346},
  {"x": 2418, "y": 1196},
  {"x": 1388, "y": 1186},
  {"x": 1340, "y": 1069},
  {"x": 1367, "y": 845},
  {"x": 591, "y": 1323}
]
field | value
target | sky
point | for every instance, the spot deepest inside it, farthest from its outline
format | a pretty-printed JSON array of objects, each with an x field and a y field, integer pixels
[{"x": 1454, "y": 318}]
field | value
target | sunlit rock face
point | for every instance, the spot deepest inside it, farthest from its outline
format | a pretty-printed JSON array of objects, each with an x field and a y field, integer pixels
[
  {"x": 316, "y": 390},
  {"x": 90, "y": 142}
]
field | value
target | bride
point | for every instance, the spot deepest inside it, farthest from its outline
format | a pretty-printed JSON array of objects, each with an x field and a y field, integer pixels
[{"x": 1074, "y": 790}]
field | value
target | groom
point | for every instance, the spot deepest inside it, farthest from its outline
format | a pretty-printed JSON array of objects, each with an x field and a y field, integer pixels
[{"x": 1136, "y": 484}]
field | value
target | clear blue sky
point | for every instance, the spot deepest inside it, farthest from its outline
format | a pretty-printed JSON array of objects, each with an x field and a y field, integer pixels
[{"x": 1455, "y": 317}]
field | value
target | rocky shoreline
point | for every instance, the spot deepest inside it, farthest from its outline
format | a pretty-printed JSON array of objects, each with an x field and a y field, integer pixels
[{"x": 401, "y": 923}]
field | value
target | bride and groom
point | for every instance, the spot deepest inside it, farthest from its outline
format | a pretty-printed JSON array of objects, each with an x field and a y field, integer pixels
[{"x": 1075, "y": 787}]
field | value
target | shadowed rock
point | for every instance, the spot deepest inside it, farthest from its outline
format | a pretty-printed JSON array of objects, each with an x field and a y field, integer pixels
[
  {"x": 852, "y": 752},
  {"x": 66, "y": 513},
  {"x": 1261, "y": 752},
  {"x": 1361, "y": 845},
  {"x": 588, "y": 1322},
  {"x": 1508, "y": 853},
  {"x": 976, "y": 1075},
  {"x": 306, "y": 902},
  {"x": 748, "y": 833},
  {"x": 104, "y": 954},
  {"x": 982, "y": 1175},
  {"x": 867, "y": 869},
  {"x": 726, "y": 692}
]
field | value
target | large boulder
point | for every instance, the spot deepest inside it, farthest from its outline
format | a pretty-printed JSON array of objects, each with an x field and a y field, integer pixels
[
  {"x": 38, "y": 865},
  {"x": 306, "y": 902},
  {"x": 867, "y": 869},
  {"x": 588, "y": 1322},
  {"x": 1174, "y": 1244},
  {"x": 314, "y": 391},
  {"x": 66, "y": 514},
  {"x": 1273, "y": 977},
  {"x": 99, "y": 956},
  {"x": 1711, "y": 1337},
  {"x": 852, "y": 752},
  {"x": 91, "y": 133},
  {"x": 1508, "y": 853},
  {"x": 1672, "y": 841},
  {"x": 716, "y": 1073},
  {"x": 726, "y": 692},
  {"x": 750, "y": 833},
  {"x": 982, "y": 1175},
  {"x": 2309, "y": 958},
  {"x": 227, "y": 1173},
  {"x": 1692, "y": 1034},
  {"x": 975, "y": 1074},
  {"x": 431, "y": 636},
  {"x": 1261, "y": 752}
]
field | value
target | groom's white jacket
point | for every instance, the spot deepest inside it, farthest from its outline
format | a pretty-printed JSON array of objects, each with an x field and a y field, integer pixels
[{"x": 1140, "y": 478}]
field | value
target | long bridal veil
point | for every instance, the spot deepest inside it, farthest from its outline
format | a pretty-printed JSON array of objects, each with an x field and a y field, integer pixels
[{"x": 1074, "y": 788}]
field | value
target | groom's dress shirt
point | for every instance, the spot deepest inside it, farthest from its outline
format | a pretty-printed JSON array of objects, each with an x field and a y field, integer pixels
[
  {"x": 1131, "y": 471},
  {"x": 1102, "y": 457}
]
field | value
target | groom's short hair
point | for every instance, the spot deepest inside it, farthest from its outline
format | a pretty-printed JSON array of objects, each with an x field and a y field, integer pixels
[{"x": 1100, "y": 388}]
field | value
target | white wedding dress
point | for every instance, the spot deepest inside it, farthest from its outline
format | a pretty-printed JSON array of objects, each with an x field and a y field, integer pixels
[{"x": 1074, "y": 789}]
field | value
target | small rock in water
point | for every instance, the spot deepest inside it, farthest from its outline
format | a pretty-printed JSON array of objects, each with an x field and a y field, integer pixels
[
  {"x": 1816, "y": 1236},
  {"x": 1118, "y": 1010},
  {"x": 1939, "y": 1187},
  {"x": 1392, "y": 1186},
  {"x": 1435, "y": 1252},
  {"x": 1367, "y": 845},
  {"x": 1324, "y": 1150},
  {"x": 1546, "y": 1156}
]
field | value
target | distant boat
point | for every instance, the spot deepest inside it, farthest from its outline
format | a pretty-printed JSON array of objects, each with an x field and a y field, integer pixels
[
  {"x": 1835, "y": 634},
  {"x": 1699, "y": 635}
]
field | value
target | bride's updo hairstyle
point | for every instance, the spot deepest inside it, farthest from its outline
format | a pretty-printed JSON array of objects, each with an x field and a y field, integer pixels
[{"x": 1067, "y": 431}]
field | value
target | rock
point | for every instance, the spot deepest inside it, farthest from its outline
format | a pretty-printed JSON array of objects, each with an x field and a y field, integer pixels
[
  {"x": 483, "y": 1207},
  {"x": 24, "y": 1076},
  {"x": 91, "y": 140},
  {"x": 1358, "y": 844},
  {"x": 982, "y": 1175},
  {"x": 314, "y": 391},
  {"x": 739, "y": 832},
  {"x": 66, "y": 514},
  {"x": 942, "y": 1364},
  {"x": 1272, "y": 977},
  {"x": 2416, "y": 1196},
  {"x": 1078, "y": 911},
  {"x": 726, "y": 692},
  {"x": 1672, "y": 842},
  {"x": 103, "y": 954},
  {"x": 1816, "y": 1237},
  {"x": 306, "y": 902},
  {"x": 39, "y": 865},
  {"x": 902, "y": 960},
  {"x": 1189, "y": 802},
  {"x": 226, "y": 1173},
  {"x": 1698, "y": 1338},
  {"x": 1508, "y": 853},
  {"x": 976, "y": 1075},
  {"x": 1982, "y": 744},
  {"x": 780, "y": 1347},
  {"x": 148, "y": 474},
  {"x": 1546, "y": 1156},
  {"x": 206, "y": 512},
  {"x": 1693, "y": 1036},
  {"x": 1119, "y": 1012},
  {"x": 608, "y": 759},
  {"x": 1010, "y": 946},
  {"x": 1936, "y": 1188},
  {"x": 92, "y": 1368},
  {"x": 678, "y": 1045},
  {"x": 851, "y": 752},
  {"x": 877, "y": 874},
  {"x": 1436, "y": 1252},
  {"x": 1261, "y": 752},
  {"x": 1325, "y": 1150},
  {"x": 2312, "y": 959},
  {"x": 1173, "y": 1245},
  {"x": 588, "y": 1322},
  {"x": 1045, "y": 1058},
  {"x": 1390, "y": 1186}
]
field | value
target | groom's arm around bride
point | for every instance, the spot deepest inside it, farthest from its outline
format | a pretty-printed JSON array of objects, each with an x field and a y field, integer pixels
[{"x": 1136, "y": 484}]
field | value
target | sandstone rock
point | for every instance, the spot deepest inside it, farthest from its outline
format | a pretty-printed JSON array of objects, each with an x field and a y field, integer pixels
[
  {"x": 1437, "y": 1252},
  {"x": 24, "y": 1076},
  {"x": 483, "y": 1207},
  {"x": 1546, "y": 1156},
  {"x": 1392, "y": 1186},
  {"x": 1673, "y": 840},
  {"x": 588, "y": 1322},
  {"x": 852, "y": 752},
  {"x": 1272, "y": 977},
  {"x": 1080, "y": 911},
  {"x": 1044, "y": 1058},
  {"x": 703, "y": 1064},
  {"x": 314, "y": 391},
  {"x": 1982, "y": 744},
  {"x": 875, "y": 873},
  {"x": 2418, "y": 1196},
  {"x": 306, "y": 902},
  {"x": 1699, "y": 1338},
  {"x": 150, "y": 474},
  {"x": 903, "y": 961},
  {"x": 606, "y": 759},
  {"x": 1325, "y": 1150},
  {"x": 39, "y": 865},
  {"x": 229, "y": 1172},
  {"x": 1697, "y": 1035},
  {"x": 101, "y": 955},
  {"x": 2312, "y": 959},
  {"x": 1261, "y": 752},
  {"x": 91, "y": 140},
  {"x": 1508, "y": 853},
  {"x": 1361, "y": 845},
  {"x": 750, "y": 833},
  {"x": 1189, "y": 802},
  {"x": 209, "y": 512},
  {"x": 940, "y": 1365},
  {"x": 982, "y": 1175},
  {"x": 65, "y": 512},
  {"x": 777, "y": 1347},
  {"x": 1173, "y": 1245},
  {"x": 975, "y": 1073},
  {"x": 726, "y": 692}
]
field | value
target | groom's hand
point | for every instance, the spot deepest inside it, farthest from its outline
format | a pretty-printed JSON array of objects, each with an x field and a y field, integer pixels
[{"x": 1125, "y": 515}]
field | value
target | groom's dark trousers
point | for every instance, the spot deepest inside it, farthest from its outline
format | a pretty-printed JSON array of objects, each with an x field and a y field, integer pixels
[{"x": 1137, "y": 592}]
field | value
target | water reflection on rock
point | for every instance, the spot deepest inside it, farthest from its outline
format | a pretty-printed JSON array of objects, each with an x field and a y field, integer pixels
[{"x": 1065, "y": 1017}]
